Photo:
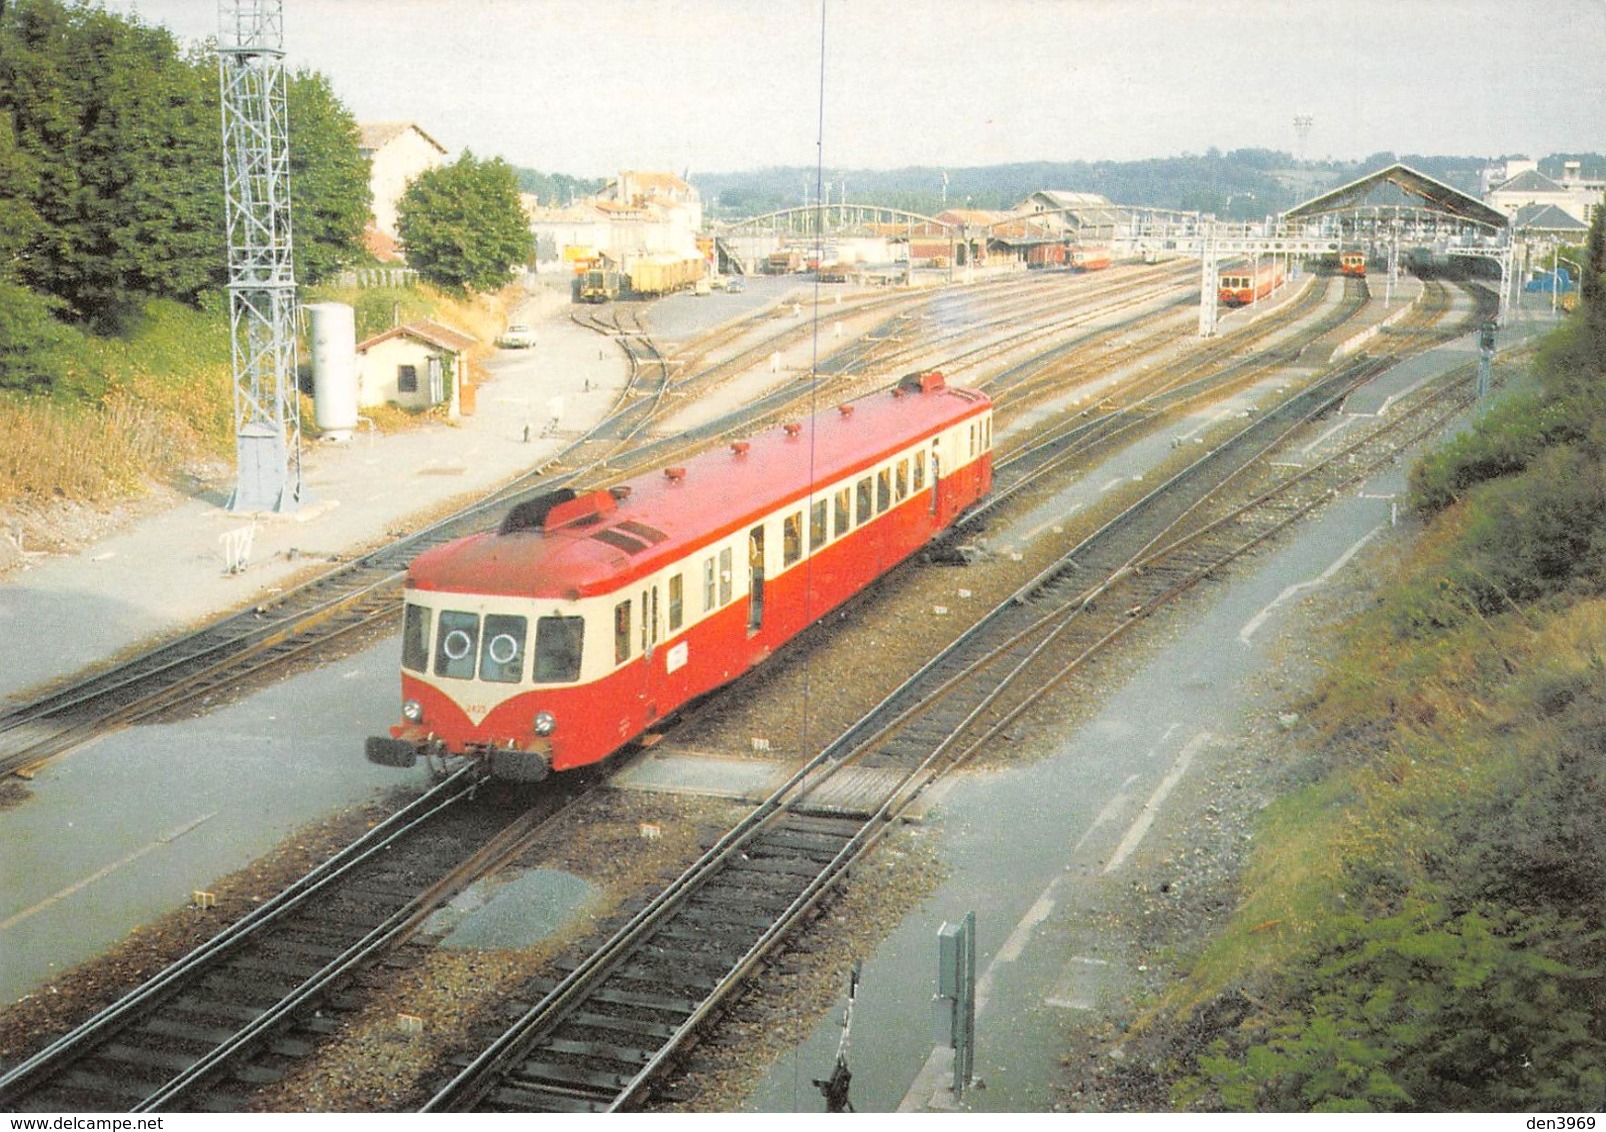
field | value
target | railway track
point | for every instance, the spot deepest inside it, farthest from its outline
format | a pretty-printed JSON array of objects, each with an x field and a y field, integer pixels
[
  {"x": 598, "y": 1038},
  {"x": 310, "y": 619},
  {"x": 238, "y": 1010},
  {"x": 800, "y": 841}
]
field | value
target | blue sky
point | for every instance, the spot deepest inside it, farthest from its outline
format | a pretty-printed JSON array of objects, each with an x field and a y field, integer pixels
[{"x": 588, "y": 88}]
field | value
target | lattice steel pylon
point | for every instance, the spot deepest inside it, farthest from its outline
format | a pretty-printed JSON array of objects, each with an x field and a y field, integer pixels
[{"x": 262, "y": 285}]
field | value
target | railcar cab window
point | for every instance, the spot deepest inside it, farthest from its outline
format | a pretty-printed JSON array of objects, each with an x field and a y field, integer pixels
[
  {"x": 558, "y": 643},
  {"x": 862, "y": 511},
  {"x": 455, "y": 648},
  {"x": 817, "y": 521},
  {"x": 502, "y": 653},
  {"x": 677, "y": 586},
  {"x": 725, "y": 576},
  {"x": 708, "y": 584},
  {"x": 920, "y": 471},
  {"x": 415, "y": 638}
]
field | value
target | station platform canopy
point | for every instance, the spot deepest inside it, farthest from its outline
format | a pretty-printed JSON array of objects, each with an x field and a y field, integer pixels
[{"x": 1436, "y": 195}]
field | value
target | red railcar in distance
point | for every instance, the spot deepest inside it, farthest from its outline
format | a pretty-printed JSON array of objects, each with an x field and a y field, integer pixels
[
  {"x": 1352, "y": 262},
  {"x": 1241, "y": 286},
  {"x": 1090, "y": 259},
  {"x": 587, "y": 618}
]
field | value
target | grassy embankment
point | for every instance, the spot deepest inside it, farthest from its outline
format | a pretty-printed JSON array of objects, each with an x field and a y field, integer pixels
[
  {"x": 157, "y": 402},
  {"x": 1423, "y": 925}
]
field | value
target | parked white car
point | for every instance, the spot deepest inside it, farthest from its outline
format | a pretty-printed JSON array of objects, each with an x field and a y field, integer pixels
[{"x": 517, "y": 337}]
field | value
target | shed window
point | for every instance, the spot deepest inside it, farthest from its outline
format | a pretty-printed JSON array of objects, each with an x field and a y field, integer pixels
[{"x": 406, "y": 379}]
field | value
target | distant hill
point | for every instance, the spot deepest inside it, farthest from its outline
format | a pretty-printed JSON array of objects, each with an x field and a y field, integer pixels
[{"x": 1244, "y": 184}]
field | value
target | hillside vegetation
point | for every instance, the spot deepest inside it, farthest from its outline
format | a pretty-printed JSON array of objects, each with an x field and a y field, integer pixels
[{"x": 1423, "y": 926}]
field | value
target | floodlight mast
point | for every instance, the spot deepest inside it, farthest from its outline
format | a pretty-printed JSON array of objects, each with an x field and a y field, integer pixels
[{"x": 262, "y": 286}]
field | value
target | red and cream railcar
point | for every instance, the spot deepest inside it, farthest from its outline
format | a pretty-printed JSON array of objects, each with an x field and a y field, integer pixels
[
  {"x": 1352, "y": 261},
  {"x": 1242, "y": 286},
  {"x": 585, "y": 619},
  {"x": 1090, "y": 259}
]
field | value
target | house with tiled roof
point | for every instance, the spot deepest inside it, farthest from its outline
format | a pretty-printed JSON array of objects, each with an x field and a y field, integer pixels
[
  {"x": 1524, "y": 186},
  {"x": 396, "y": 152},
  {"x": 417, "y": 366}
]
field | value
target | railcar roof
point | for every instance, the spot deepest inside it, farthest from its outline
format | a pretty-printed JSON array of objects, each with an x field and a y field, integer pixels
[{"x": 662, "y": 519}]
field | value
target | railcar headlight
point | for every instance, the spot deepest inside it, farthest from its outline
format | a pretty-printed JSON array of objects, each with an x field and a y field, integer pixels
[
  {"x": 412, "y": 711},
  {"x": 544, "y": 723}
]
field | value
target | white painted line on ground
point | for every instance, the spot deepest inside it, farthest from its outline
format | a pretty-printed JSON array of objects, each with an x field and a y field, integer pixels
[
  {"x": 166, "y": 838},
  {"x": 1108, "y": 814},
  {"x": 1252, "y": 626},
  {"x": 1151, "y": 808},
  {"x": 1116, "y": 482},
  {"x": 1050, "y": 524},
  {"x": 1345, "y": 423}
]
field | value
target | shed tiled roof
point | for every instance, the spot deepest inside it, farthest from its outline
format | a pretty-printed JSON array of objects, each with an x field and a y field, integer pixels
[
  {"x": 1546, "y": 218},
  {"x": 425, "y": 330},
  {"x": 1529, "y": 181}
]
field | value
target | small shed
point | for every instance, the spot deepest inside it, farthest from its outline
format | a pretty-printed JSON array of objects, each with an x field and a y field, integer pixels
[{"x": 417, "y": 366}]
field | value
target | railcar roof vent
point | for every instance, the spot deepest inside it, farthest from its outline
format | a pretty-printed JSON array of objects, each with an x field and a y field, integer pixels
[
  {"x": 582, "y": 510},
  {"x": 792, "y": 429},
  {"x": 845, "y": 410},
  {"x": 928, "y": 382},
  {"x": 740, "y": 447},
  {"x": 674, "y": 475},
  {"x": 532, "y": 513}
]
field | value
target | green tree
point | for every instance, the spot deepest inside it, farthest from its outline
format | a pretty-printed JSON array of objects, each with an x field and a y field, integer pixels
[
  {"x": 462, "y": 225},
  {"x": 328, "y": 179},
  {"x": 112, "y": 127},
  {"x": 35, "y": 349}
]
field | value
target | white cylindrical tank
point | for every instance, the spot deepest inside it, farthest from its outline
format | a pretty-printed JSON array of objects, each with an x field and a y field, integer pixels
[{"x": 334, "y": 368}]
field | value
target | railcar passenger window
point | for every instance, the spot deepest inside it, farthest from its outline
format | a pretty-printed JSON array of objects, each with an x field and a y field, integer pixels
[
  {"x": 920, "y": 471},
  {"x": 900, "y": 481},
  {"x": 454, "y": 652},
  {"x": 883, "y": 490},
  {"x": 861, "y": 492},
  {"x": 708, "y": 583},
  {"x": 817, "y": 524},
  {"x": 676, "y": 606},
  {"x": 502, "y": 655},
  {"x": 844, "y": 513},
  {"x": 621, "y": 632},
  {"x": 972, "y": 440},
  {"x": 724, "y": 575},
  {"x": 791, "y": 538},
  {"x": 415, "y": 638},
  {"x": 558, "y": 641}
]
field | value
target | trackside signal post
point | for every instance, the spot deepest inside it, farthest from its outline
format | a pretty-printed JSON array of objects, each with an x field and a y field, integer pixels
[
  {"x": 955, "y": 1001},
  {"x": 1486, "y": 347}
]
